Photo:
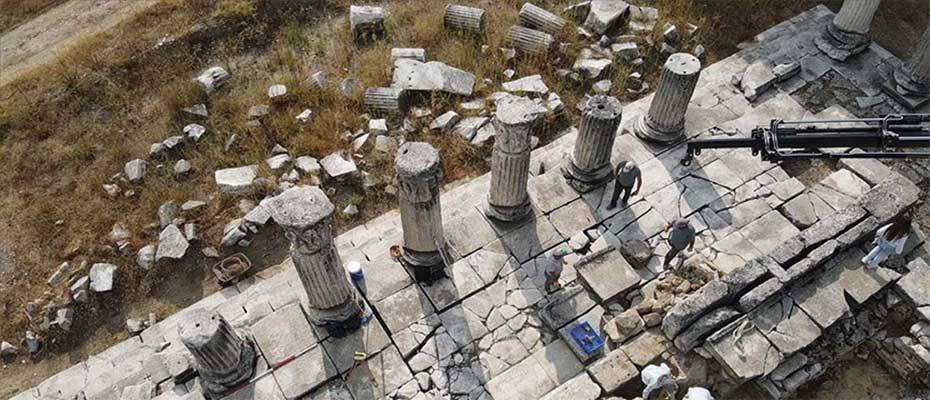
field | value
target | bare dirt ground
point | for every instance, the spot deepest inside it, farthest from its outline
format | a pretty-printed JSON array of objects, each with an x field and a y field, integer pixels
[{"x": 39, "y": 40}]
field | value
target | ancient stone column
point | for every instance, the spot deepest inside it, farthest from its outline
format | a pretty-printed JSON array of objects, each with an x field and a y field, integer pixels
[
  {"x": 534, "y": 17},
  {"x": 381, "y": 101},
  {"x": 589, "y": 165},
  {"x": 530, "y": 41},
  {"x": 665, "y": 121},
  {"x": 366, "y": 22},
  {"x": 419, "y": 175},
  {"x": 848, "y": 34},
  {"x": 462, "y": 18},
  {"x": 306, "y": 215},
  {"x": 515, "y": 121},
  {"x": 222, "y": 358},
  {"x": 910, "y": 84}
]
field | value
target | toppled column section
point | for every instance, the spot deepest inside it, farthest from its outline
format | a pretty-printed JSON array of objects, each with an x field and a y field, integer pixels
[
  {"x": 911, "y": 84},
  {"x": 589, "y": 166},
  {"x": 419, "y": 175},
  {"x": 381, "y": 101},
  {"x": 515, "y": 121},
  {"x": 223, "y": 358},
  {"x": 530, "y": 41},
  {"x": 665, "y": 122},
  {"x": 534, "y": 17},
  {"x": 366, "y": 22},
  {"x": 306, "y": 216},
  {"x": 462, "y": 18},
  {"x": 848, "y": 34}
]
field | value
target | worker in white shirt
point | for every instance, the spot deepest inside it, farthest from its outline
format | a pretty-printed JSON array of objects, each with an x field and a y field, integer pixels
[{"x": 889, "y": 240}]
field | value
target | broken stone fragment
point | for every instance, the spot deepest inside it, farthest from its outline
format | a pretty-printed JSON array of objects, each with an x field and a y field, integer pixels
[
  {"x": 276, "y": 92},
  {"x": 468, "y": 127},
  {"x": 445, "y": 122},
  {"x": 756, "y": 80},
  {"x": 278, "y": 161},
  {"x": 167, "y": 212},
  {"x": 377, "y": 126},
  {"x": 171, "y": 244},
  {"x": 135, "y": 170},
  {"x": 591, "y": 68},
  {"x": 191, "y": 205},
  {"x": 386, "y": 144},
  {"x": 318, "y": 79},
  {"x": 134, "y": 326},
  {"x": 8, "y": 350},
  {"x": 145, "y": 257},
  {"x": 529, "y": 84},
  {"x": 308, "y": 165},
  {"x": 605, "y": 15},
  {"x": 671, "y": 35},
  {"x": 119, "y": 233},
  {"x": 432, "y": 76},
  {"x": 213, "y": 78},
  {"x": 336, "y": 165},
  {"x": 785, "y": 71},
  {"x": 366, "y": 22},
  {"x": 60, "y": 274},
  {"x": 64, "y": 318},
  {"x": 304, "y": 116},
  {"x": 602, "y": 86},
  {"x": 408, "y": 53},
  {"x": 112, "y": 190},
  {"x": 625, "y": 51},
  {"x": 350, "y": 210},
  {"x": 194, "y": 131},
  {"x": 101, "y": 277},
  {"x": 197, "y": 110},
  {"x": 236, "y": 180}
]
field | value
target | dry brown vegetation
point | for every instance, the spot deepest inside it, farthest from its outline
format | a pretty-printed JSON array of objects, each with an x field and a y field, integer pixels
[
  {"x": 66, "y": 128},
  {"x": 15, "y": 12}
]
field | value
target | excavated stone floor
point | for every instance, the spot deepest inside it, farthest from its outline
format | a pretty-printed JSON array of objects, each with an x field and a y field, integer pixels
[{"x": 489, "y": 331}]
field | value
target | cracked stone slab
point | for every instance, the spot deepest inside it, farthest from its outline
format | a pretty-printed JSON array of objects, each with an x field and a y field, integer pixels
[
  {"x": 613, "y": 371},
  {"x": 768, "y": 232},
  {"x": 731, "y": 252},
  {"x": 646, "y": 347},
  {"x": 383, "y": 277},
  {"x": 572, "y": 218},
  {"x": 404, "y": 307},
  {"x": 370, "y": 339},
  {"x": 524, "y": 381},
  {"x": 914, "y": 284},
  {"x": 389, "y": 372},
  {"x": 785, "y": 325},
  {"x": 463, "y": 326},
  {"x": 747, "y": 355},
  {"x": 650, "y": 224},
  {"x": 283, "y": 333},
  {"x": 608, "y": 274},
  {"x": 550, "y": 191},
  {"x": 469, "y": 232},
  {"x": 580, "y": 387},
  {"x": 531, "y": 238},
  {"x": 461, "y": 280}
]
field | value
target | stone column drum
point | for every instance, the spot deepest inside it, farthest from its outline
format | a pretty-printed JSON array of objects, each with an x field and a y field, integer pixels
[
  {"x": 222, "y": 358},
  {"x": 910, "y": 85},
  {"x": 306, "y": 215},
  {"x": 462, "y": 18},
  {"x": 848, "y": 33},
  {"x": 419, "y": 174},
  {"x": 589, "y": 165},
  {"x": 386, "y": 101},
  {"x": 665, "y": 121},
  {"x": 541, "y": 19},
  {"x": 530, "y": 41},
  {"x": 515, "y": 121}
]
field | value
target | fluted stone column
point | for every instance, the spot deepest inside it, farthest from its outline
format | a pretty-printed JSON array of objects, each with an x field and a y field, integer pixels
[
  {"x": 665, "y": 121},
  {"x": 534, "y": 17},
  {"x": 306, "y": 215},
  {"x": 380, "y": 101},
  {"x": 848, "y": 34},
  {"x": 419, "y": 174},
  {"x": 515, "y": 121},
  {"x": 589, "y": 165},
  {"x": 462, "y": 18},
  {"x": 530, "y": 41},
  {"x": 222, "y": 358},
  {"x": 911, "y": 84}
]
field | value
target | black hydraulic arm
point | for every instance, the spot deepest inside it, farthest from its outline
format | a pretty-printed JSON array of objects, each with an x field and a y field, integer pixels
[{"x": 891, "y": 136}]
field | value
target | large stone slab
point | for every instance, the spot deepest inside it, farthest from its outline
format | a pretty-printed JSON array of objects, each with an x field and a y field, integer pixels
[
  {"x": 558, "y": 361},
  {"x": 236, "y": 180},
  {"x": 468, "y": 232},
  {"x": 646, "y": 348},
  {"x": 550, "y": 191},
  {"x": 785, "y": 325},
  {"x": 769, "y": 231},
  {"x": 389, "y": 372},
  {"x": 383, "y": 277},
  {"x": 404, "y": 307},
  {"x": 580, "y": 387},
  {"x": 432, "y": 76},
  {"x": 915, "y": 285},
  {"x": 524, "y": 381},
  {"x": 746, "y": 354},
  {"x": 283, "y": 333},
  {"x": 560, "y": 308},
  {"x": 370, "y": 339},
  {"x": 573, "y": 218},
  {"x": 530, "y": 238},
  {"x": 607, "y": 273},
  {"x": 613, "y": 371},
  {"x": 305, "y": 373}
]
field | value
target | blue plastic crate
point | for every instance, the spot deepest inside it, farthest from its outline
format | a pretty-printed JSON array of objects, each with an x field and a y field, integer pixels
[{"x": 587, "y": 338}]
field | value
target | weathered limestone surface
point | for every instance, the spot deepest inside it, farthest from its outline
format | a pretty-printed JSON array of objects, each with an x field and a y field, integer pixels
[
  {"x": 419, "y": 175},
  {"x": 223, "y": 359},
  {"x": 666, "y": 117},
  {"x": 468, "y": 19},
  {"x": 589, "y": 165},
  {"x": 432, "y": 76},
  {"x": 538, "y": 18},
  {"x": 516, "y": 119}
]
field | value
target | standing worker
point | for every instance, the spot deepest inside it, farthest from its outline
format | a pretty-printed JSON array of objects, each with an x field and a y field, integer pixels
[
  {"x": 626, "y": 176},
  {"x": 889, "y": 240},
  {"x": 682, "y": 236},
  {"x": 555, "y": 260}
]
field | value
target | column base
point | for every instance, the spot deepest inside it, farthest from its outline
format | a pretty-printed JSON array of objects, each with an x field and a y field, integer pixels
[
  {"x": 840, "y": 45},
  {"x": 645, "y": 131},
  {"x": 906, "y": 91},
  {"x": 341, "y": 320},
  {"x": 218, "y": 385},
  {"x": 584, "y": 181},
  {"x": 509, "y": 213}
]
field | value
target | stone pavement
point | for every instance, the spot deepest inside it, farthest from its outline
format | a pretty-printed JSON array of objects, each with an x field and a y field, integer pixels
[{"x": 489, "y": 331}]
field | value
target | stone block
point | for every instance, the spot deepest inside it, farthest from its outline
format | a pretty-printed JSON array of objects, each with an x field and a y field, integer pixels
[
  {"x": 889, "y": 197},
  {"x": 607, "y": 273},
  {"x": 759, "y": 294},
  {"x": 646, "y": 348},
  {"x": 872, "y": 171},
  {"x": 827, "y": 228},
  {"x": 561, "y": 307},
  {"x": 370, "y": 339},
  {"x": 558, "y": 361},
  {"x": 550, "y": 191},
  {"x": 573, "y": 218},
  {"x": 389, "y": 371},
  {"x": 914, "y": 285},
  {"x": 703, "y": 327},
  {"x": 613, "y": 371},
  {"x": 530, "y": 238},
  {"x": 432, "y": 76},
  {"x": 283, "y": 333},
  {"x": 698, "y": 303},
  {"x": 785, "y": 325},
  {"x": 478, "y": 233},
  {"x": 800, "y": 211},
  {"x": 769, "y": 231},
  {"x": 383, "y": 277},
  {"x": 524, "y": 381}
]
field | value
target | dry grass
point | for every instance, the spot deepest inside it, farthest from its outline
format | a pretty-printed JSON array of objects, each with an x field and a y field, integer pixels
[
  {"x": 15, "y": 12},
  {"x": 67, "y": 128}
]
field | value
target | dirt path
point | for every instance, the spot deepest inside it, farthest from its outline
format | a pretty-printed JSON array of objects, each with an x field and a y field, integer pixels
[{"x": 38, "y": 41}]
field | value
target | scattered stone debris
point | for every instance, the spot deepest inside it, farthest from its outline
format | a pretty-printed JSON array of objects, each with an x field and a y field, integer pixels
[
  {"x": 135, "y": 170},
  {"x": 145, "y": 257},
  {"x": 786, "y": 71},
  {"x": 213, "y": 78},
  {"x": 336, "y": 165},
  {"x": 194, "y": 131},
  {"x": 445, "y": 122},
  {"x": 101, "y": 277},
  {"x": 529, "y": 84}
]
